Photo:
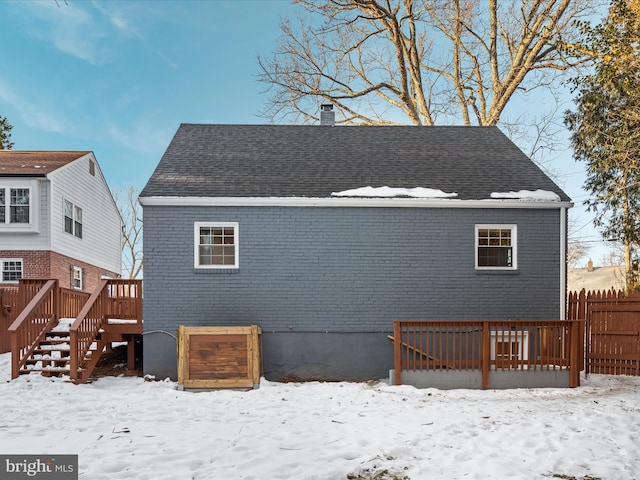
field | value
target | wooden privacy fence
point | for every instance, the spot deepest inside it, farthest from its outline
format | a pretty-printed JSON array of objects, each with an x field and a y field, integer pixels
[
  {"x": 612, "y": 330},
  {"x": 485, "y": 346}
]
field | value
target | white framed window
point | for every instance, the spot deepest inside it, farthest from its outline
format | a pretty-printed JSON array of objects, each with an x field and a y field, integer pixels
[
  {"x": 76, "y": 278},
  {"x": 496, "y": 247},
  {"x": 216, "y": 245},
  {"x": 15, "y": 205},
  {"x": 72, "y": 219},
  {"x": 11, "y": 270}
]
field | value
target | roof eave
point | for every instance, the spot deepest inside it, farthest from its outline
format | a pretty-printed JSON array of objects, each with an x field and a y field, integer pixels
[{"x": 348, "y": 202}]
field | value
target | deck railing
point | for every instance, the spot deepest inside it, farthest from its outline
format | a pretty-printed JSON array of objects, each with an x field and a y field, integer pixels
[
  {"x": 71, "y": 302},
  {"x": 39, "y": 304},
  {"x": 8, "y": 313},
  {"x": 112, "y": 299},
  {"x": 35, "y": 319},
  {"x": 482, "y": 345}
]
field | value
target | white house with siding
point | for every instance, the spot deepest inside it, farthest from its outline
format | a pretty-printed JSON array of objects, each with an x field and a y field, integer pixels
[{"x": 58, "y": 219}]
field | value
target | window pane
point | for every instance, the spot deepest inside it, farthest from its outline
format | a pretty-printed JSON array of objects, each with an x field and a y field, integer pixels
[
  {"x": 68, "y": 217},
  {"x": 19, "y": 214},
  {"x": 3, "y": 210},
  {"x": 494, "y": 257},
  {"x": 19, "y": 196},
  {"x": 12, "y": 271},
  {"x": 78, "y": 231}
]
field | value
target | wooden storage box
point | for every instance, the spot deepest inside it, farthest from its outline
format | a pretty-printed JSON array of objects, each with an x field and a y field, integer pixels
[{"x": 219, "y": 357}]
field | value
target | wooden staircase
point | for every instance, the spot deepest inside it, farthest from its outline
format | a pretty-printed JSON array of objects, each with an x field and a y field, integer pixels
[
  {"x": 52, "y": 355},
  {"x": 60, "y": 332}
]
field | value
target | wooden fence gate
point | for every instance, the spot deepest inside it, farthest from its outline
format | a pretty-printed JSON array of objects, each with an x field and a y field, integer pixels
[{"x": 612, "y": 330}]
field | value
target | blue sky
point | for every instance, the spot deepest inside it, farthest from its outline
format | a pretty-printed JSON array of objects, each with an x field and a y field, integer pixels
[{"x": 118, "y": 77}]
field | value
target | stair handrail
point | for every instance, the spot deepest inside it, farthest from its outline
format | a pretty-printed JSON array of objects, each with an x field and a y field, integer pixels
[
  {"x": 86, "y": 327},
  {"x": 38, "y": 318}
]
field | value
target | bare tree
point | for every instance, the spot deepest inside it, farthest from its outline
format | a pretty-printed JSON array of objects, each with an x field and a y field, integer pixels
[
  {"x": 131, "y": 214},
  {"x": 384, "y": 62}
]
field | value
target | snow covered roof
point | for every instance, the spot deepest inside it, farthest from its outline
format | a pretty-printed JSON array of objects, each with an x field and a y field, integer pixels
[{"x": 303, "y": 161}]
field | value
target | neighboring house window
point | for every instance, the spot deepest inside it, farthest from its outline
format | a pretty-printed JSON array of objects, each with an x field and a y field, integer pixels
[
  {"x": 11, "y": 269},
  {"x": 15, "y": 206},
  {"x": 76, "y": 278},
  {"x": 72, "y": 219},
  {"x": 496, "y": 247},
  {"x": 216, "y": 245}
]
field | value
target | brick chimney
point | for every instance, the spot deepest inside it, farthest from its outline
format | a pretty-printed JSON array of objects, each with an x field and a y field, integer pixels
[
  {"x": 589, "y": 266},
  {"x": 327, "y": 115}
]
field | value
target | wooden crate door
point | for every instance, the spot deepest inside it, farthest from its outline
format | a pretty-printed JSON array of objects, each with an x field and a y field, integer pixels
[
  {"x": 220, "y": 357},
  {"x": 215, "y": 357}
]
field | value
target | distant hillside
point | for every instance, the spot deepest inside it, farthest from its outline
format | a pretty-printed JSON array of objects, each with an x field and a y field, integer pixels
[{"x": 601, "y": 278}]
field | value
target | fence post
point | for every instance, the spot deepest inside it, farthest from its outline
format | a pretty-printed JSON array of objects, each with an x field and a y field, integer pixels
[
  {"x": 583, "y": 305},
  {"x": 574, "y": 354},
  {"x": 397, "y": 353},
  {"x": 486, "y": 354}
]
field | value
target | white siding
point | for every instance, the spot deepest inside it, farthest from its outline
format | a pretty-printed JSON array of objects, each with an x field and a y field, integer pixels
[
  {"x": 100, "y": 244},
  {"x": 35, "y": 236}
]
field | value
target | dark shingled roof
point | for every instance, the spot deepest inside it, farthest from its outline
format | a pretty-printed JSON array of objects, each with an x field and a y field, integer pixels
[
  {"x": 314, "y": 161},
  {"x": 34, "y": 162}
]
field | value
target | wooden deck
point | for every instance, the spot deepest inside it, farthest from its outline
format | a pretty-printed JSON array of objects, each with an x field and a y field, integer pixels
[
  {"x": 489, "y": 348},
  {"x": 113, "y": 313}
]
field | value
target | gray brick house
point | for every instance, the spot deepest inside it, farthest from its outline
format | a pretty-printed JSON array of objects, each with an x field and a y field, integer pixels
[{"x": 272, "y": 225}]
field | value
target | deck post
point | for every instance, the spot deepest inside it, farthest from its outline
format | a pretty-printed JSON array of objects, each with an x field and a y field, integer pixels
[
  {"x": 131, "y": 353},
  {"x": 397, "y": 353},
  {"x": 15, "y": 355},
  {"x": 486, "y": 353}
]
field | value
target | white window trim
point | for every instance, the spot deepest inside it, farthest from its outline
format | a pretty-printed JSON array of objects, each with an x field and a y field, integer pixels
[
  {"x": 34, "y": 205},
  {"x": 196, "y": 244},
  {"x": 77, "y": 269},
  {"x": 514, "y": 243},
  {"x": 2, "y": 260}
]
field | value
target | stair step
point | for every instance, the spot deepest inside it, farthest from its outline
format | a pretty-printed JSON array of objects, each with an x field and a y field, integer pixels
[
  {"x": 46, "y": 369},
  {"x": 56, "y": 361},
  {"x": 62, "y": 347}
]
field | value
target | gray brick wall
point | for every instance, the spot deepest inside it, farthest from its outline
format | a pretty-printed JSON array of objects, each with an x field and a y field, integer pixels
[{"x": 330, "y": 270}]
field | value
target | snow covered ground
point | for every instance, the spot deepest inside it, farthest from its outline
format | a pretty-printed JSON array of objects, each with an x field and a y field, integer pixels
[{"x": 126, "y": 428}]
